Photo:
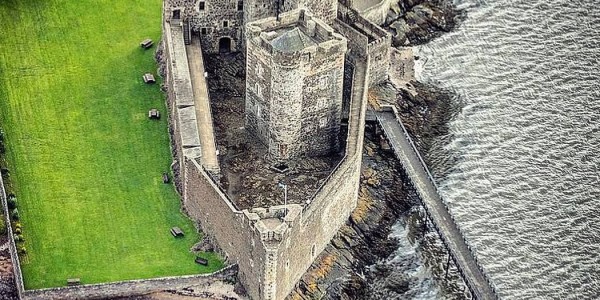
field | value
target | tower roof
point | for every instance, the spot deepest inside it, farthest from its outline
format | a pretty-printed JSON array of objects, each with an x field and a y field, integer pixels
[{"x": 292, "y": 40}]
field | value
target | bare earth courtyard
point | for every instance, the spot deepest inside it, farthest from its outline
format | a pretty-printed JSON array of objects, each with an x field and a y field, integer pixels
[{"x": 84, "y": 161}]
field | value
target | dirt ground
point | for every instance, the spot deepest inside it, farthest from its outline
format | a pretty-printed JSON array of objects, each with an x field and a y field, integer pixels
[
  {"x": 248, "y": 175},
  {"x": 8, "y": 289}
]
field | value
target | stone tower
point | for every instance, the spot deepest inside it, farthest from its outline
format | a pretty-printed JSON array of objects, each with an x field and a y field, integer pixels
[{"x": 294, "y": 78}]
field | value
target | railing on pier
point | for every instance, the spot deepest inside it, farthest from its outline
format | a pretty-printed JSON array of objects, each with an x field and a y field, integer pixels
[{"x": 445, "y": 239}]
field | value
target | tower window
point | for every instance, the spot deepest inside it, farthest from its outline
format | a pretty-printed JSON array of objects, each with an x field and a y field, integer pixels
[
  {"x": 321, "y": 103},
  {"x": 225, "y": 24},
  {"x": 203, "y": 30},
  {"x": 240, "y": 5},
  {"x": 259, "y": 70},
  {"x": 176, "y": 14},
  {"x": 258, "y": 90},
  {"x": 202, "y": 5},
  {"x": 323, "y": 82},
  {"x": 323, "y": 122}
]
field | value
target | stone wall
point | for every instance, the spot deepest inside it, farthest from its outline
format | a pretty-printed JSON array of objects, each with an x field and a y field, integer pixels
[
  {"x": 11, "y": 242},
  {"x": 183, "y": 127},
  {"x": 319, "y": 222},
  {"x": 378, "y": 48},
  {"x": 325, "y": 10},
  {"x": 220, "y": 24},
  {"x": 129, "y": 288},
  {"x": 376, "y": 12},
  {"x": 273, "y": 247},
  {"x": 403, "y": 62},
  {"x": 357, "y": 42},
  {"x": 229, "y": 227}
]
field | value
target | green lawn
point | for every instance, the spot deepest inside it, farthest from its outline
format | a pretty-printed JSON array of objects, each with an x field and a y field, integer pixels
[{"x": 85, "y": 161}]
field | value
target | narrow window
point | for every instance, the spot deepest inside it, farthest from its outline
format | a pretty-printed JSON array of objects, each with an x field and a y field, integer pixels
[
  {"x": 258, "y": 111},
  {"x": 225, "y": 24},
  {"x": 321, "y": 103},
  {"x": 240, "y": 5},
  {"x": 203, "y": 30},
  {"x": 312, "y": 251},
  {"x": 202, "y": 5},
  {"x": 258, "y": 90},
  {"x": 323, "y": 122},
  {"x": 323, "y": 82},
  {"x": 259, "y": 70}
]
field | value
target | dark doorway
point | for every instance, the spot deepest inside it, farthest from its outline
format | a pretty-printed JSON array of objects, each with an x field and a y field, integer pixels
[
  {"x": 176, "y": 14},
  {"x": 224, "y": 45}
]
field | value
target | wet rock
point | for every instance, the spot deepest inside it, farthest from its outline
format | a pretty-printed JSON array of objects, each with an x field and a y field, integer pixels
[
  {"x": 414, "y": 22},
  {"x": 397, "y": 282},
  {"x": 400, "y": 28}
]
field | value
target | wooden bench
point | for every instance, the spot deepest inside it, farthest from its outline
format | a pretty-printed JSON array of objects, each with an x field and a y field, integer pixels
[
  {"x": 176, "y": 232},
  {"x": 73, "y": 281},
  {"x": 148, "y": 78},
  {"x": 154, "y": 114},
  {"x": 147, "y": 43},
  {"x": 201, "y": 261}
]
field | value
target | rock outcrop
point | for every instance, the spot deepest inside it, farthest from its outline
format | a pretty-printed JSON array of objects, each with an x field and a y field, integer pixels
[{"x": 414, "y": 22}]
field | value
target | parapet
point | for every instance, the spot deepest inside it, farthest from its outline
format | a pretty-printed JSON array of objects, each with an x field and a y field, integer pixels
[
  {"x": 272, "y": 223},
  {"x": 294, "y": 34}
]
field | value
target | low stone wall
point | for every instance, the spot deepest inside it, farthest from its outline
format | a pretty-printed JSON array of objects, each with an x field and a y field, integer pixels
[
  {"x": 129, "y": 288},
  {"x": 11, "y": 243},
  {"x": 234, "y": 232},
  {"x": 378, "y": 12}
]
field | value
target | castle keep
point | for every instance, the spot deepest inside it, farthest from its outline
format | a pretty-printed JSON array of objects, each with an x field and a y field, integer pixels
[
  {"x": 302, "y": 118},
  {"x": 309, "y": 65}
]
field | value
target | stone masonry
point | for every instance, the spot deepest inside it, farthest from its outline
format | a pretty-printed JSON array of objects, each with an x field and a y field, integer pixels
[
  {"x": 302, "y": 118},
  {"x": 299, "y": 62},
  {"x": 221, "y": 23}
]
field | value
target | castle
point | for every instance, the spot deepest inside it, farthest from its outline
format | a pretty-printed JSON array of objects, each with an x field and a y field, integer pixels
[{"x": 309, "y": 65}]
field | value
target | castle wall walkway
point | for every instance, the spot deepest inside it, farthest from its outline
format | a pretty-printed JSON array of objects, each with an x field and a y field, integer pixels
[
  {"x": 460, "y": 251},
  {"x": 202, "y": 105}
]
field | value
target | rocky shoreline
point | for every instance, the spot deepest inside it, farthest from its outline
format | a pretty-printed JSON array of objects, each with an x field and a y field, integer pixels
[
  {"x": 416, "y": 22},
  {"x": 361, "y": 262},
  {"x": 357, "y": 262}
]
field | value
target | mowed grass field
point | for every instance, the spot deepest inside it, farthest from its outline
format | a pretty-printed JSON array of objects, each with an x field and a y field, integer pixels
[{"x": 85, "y": 161}]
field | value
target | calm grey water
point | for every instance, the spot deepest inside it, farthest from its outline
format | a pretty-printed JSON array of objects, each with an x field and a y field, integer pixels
[{"x": 524, "y": 179}]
